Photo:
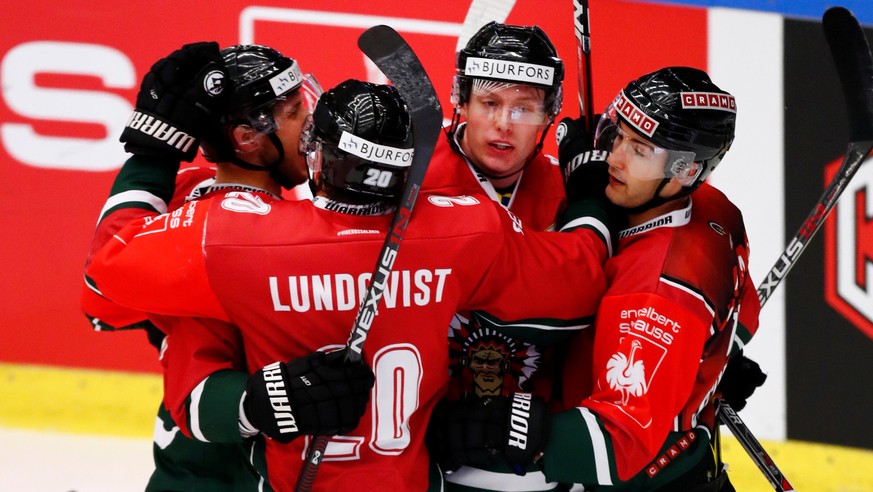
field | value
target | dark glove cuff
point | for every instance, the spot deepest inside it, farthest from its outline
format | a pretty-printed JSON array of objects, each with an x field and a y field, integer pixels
[
  {"x": 605, "y": 219},
  {"x": 526, "y": 430}
]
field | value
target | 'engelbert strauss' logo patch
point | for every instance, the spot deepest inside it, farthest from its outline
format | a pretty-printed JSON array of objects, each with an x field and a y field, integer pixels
[
  {"x": 643, "y": 124},
  {"x": 708, "y": 100}
]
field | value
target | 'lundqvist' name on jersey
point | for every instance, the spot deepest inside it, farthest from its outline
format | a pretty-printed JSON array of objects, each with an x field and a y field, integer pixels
[{"x": 343, "y": 291}]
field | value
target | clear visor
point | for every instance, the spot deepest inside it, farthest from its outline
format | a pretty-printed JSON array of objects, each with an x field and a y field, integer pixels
[
  {"x": 310, "y": 146},
  {"x": 263, "y": 120},
  {"x": 516, "y": 103},
  {"x": 311, "y": 90},
  {"x": 642, "y": 158}
]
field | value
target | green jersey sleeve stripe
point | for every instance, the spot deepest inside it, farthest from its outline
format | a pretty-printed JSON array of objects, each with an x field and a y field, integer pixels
[
  {"x": 134, "y": 196},
  {"x": 598, "y": 444}
]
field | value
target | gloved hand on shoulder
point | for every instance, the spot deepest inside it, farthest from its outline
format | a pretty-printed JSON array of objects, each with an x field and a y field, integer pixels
[
  {"x": 586, "y": 176},
  {"x": 179, "y": 102},
  {"x": 483, "y": 431},
  {"x": 317, "y": 394}
]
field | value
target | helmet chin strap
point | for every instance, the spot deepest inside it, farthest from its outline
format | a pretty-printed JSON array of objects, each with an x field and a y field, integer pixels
[
  {"x": 658, "y": 200},
  {"x": 272, "y": 167}
]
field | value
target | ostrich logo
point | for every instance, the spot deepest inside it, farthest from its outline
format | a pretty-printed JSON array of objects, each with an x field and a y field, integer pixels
[{"x": 626, "y": 374}]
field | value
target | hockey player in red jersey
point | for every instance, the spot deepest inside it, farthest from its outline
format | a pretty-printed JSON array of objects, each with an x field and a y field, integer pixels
[
  {"x": 640, "y": 412},
  {"x": 501, "y": 115},
  {"x": 506, "y": 94},
  {"x": 679, "y": 302},
  {"x": 182, "y": 463},
  {"x": 290, "y": 275}
]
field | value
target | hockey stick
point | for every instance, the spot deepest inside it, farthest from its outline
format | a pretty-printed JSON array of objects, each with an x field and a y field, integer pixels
[
  {"x": 480, "y": 13},
  {"x": 398, "y": 62},
  {"x": 582, "y": 28},
  {"x": 851, "y": 56},
  {"x": 747, "y": 440},
  {"x": 854, "y": 65}
]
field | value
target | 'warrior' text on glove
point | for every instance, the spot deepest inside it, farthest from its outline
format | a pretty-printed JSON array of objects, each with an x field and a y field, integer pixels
[
  {"x": 318, "y": 394},
  {"x": 179, "y": 102},
  {"x": 480, "y": 432}
]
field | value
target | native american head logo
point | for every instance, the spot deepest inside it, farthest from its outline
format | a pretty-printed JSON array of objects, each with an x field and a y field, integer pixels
[{"x": 490, "y": 362}]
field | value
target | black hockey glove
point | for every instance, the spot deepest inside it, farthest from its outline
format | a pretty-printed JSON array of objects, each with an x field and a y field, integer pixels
[
  {"x": 586, "y": 175},
  {"x": 741, "y": 377},
  {"x": 585, "y": 170},
  {"x": 178, "y": 103},
  {"x": 480, "y": 432},
  {"x": 318, "y": 394}
]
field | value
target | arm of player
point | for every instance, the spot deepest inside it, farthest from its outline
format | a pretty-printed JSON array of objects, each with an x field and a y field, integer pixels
[
  {"x": 646, "y": 358},
  {"x": 143, "y": 188},
  {"x": 175, "y": 106},
  {"x": 586, "y": 175},
  {"x": 747, "y": 323},
  {"x": 204, "y": 376},
  {"x": 530, "y": 274},
  {"x": 157, "y": 265},
  {"x": 139, "y": 192}
]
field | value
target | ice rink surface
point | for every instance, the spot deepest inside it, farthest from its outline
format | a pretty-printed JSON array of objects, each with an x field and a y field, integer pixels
[
  {"x": 37, "y": 461},
  {"x": 34, "y": 461}
]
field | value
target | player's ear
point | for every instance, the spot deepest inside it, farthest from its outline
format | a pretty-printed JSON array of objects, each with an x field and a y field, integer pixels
[{"x": 245, "y": 139}]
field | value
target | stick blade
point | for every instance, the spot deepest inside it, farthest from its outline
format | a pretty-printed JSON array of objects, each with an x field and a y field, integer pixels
[
  {"x": 396, "y": 59},
  {"x": 390, "y": 52},
  {"x": 851, "y": 55}
]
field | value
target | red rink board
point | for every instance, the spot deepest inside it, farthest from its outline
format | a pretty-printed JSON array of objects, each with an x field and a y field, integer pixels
[{"x": 67, "y": 92}]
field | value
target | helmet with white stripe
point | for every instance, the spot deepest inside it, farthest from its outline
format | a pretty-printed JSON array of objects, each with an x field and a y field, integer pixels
[{"x": 359, "y": 139}]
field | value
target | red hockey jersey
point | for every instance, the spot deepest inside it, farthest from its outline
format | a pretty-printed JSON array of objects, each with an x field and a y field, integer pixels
[
  {"x": 488, "y": 358},
  {"x": 290, "y": 275},
  {"x": 126, "y": 203},
  {"x": 537, "y": 198},
  {"x": 679, "y": 298}
]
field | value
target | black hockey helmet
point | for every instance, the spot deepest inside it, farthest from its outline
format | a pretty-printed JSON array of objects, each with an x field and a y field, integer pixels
[
  {"x": 359, "y": 139},
  {"x": 678, "y": 109},
  {"x": 510, "y": 54},
  {"x": 259, "y": 77}
]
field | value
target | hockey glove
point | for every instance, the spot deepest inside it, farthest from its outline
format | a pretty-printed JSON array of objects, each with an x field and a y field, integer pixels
[
  {"x": 586, "y": 176},
  {"x": 179, "y": 102},
  {"x": 741, "y": 377},
  {"x": 318, "y": 394},
  {"x": 481, "y": 432},
  {"x": 586, "y": 173}
]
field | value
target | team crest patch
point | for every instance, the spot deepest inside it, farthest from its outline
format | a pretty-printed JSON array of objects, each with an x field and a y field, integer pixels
[{"x": 490, "y": 362}]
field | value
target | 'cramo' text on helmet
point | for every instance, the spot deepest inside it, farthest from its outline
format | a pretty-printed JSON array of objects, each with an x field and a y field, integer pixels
[
  {"x": 678, "y": 109},
  {"x": 359, "y": 139}
]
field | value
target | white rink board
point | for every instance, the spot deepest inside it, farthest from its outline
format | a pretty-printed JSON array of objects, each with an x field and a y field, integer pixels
[{"x": 746, "y": 59}]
